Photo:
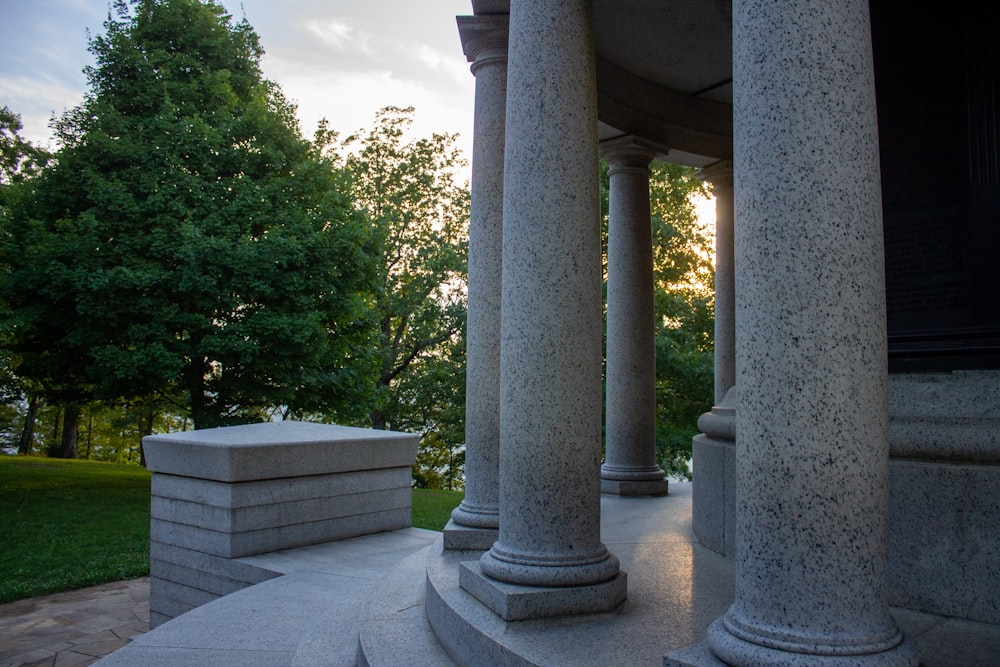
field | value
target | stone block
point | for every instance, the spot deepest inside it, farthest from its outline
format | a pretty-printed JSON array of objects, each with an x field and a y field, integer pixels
[
  {"x": 190, "y": 537},
  {"x": 944, "y": 555},
  {"x": 697, "y": 655},
  {"x": 211, "y": 582},
  {"x": 156, "y": 619},
  {"x": 945, "y": 416},
  {"x": 235, "y": 570},
  {"x": 513, "y": 602},
  {"x": 247, "y": 543},
  {"x": 466, "y": 538},
  {"x": 713, "y": 514},
  {"x": 264, "y": 516},
  {"x": 172, "y": 599},
  {"x": 274, "y": 450},
  {"x": 621, "y": 487},
  {"x": 221, "y": 494},
  {"x": 274, "y": 491}
]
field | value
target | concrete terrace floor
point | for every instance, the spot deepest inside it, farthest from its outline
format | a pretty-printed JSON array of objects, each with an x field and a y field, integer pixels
[{"x": 312, "y": 615}]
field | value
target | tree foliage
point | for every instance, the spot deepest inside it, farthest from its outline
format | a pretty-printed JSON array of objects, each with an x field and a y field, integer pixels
[
  {"x": 684, "y": 299},
  {"x": 19, "y": 159},
  {"x": 189, "y": 242}
]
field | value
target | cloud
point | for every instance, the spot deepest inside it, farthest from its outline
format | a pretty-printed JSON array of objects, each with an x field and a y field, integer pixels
[
  {"x": 343, "y": 59},
  {"x": 37, "y": 98},
  {"x": 453, "y": 66},
  {"x": 349, "y": 99},
  {"x": 341, "y": 36}
]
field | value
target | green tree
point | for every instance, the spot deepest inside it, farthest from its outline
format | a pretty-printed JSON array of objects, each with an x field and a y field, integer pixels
[
  {"x": 684, "y": 298},
  {"x": 19, "y": 159},
  {"x": 19, "y": 162},
  {"x": 188, "y": 241},
  {"x": 418, "y": 215}
]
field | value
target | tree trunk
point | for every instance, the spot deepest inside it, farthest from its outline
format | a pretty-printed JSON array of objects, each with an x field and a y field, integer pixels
[
  {"x": 201, "y": 412},
  {"x": 147, "y": 430},
  {"x": 378, "y": 419},
  {"x": 90, "y": 431},
  {"x": 70, "y": 431},
  {"x": 52, "y": 449},
  {"x": 27, "y": 440}
]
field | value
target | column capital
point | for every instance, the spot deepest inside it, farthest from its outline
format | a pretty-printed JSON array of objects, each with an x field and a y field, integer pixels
[
  {"x": 627, "y": 152},
  {"x": 719, "y": 174},
  {"x": 484, "y": 38}
]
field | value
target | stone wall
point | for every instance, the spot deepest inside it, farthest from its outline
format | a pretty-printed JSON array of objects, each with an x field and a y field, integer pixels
[
  {"x": 220, "y": 494},
  {"x": 944, "y": 493}
]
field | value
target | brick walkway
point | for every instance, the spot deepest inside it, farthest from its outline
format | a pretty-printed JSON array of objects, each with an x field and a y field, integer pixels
[{"x": 73, "y": 628}]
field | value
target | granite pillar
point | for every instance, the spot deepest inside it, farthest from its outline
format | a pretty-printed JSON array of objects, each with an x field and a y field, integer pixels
[
  {"x": 713, "y": 451},
  {"x": 551, "y": 334},
  {"x": 630, "y": 467},
  {"x": 474, "y": 523},
  {"x": 720, "y": 175},
  {"x": 812, "y": 447}
]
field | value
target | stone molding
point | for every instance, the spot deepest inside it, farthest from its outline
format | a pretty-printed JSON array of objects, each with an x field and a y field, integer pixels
[
  {"x": 484, "y": 39},
  {"x": 719, "y": 174}
]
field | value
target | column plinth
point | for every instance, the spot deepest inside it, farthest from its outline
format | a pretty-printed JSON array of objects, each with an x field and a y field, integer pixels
[
  {"x": 551, "y": 338},
  {"x": 630, "y": 467},
  {"x": 811, "y": 424},
  {"x": 475, "y": 521}
]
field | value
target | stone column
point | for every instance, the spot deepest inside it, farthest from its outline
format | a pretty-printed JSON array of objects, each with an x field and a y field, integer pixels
[
  {"x": 474, "y": 522},
  {"x": 713, "y": 452},
  {"x": 630, "y": 467},
  {"x": 812, "y": 452},
  {"x": 551, "y": 338},
  {"x": 720, "y": 175}
]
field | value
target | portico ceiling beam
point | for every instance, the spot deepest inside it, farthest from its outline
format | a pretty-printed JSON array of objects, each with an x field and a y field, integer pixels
[{"x": 636, "y": 106}]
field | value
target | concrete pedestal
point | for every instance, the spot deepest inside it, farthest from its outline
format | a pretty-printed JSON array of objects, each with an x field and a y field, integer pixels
[
  {"x": 221, "y": 494},
  {"x": 713, "y": 453}
]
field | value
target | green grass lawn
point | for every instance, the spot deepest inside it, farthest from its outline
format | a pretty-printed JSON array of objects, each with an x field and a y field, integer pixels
[
  {"x": 432, "y": 508},
  {"x": 70, "y": 524}
]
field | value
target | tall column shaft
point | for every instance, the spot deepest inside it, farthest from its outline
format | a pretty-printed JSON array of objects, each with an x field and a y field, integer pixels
[
  {"x": 811, "y": 452},
  {"x": 630, "y": 466},
  {"x": 484, "y": 39},
  {"x": 551, "y": 339},
  {"x": 720, "y": 175}
]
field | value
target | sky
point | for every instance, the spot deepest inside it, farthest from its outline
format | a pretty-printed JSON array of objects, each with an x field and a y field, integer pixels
[{"x": 339, "y": 59}]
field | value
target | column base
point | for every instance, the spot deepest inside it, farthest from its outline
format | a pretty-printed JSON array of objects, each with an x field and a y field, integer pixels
[
  {"x": 514, "y": 602},
  {"x": 468, "y": 538},
  {"x": 633, "y": 481},
  {"x": 697, "y": 655},
  {"x": 736, "y": 651},
  {"x": 559, "y": 570},
  {"x": 622, "y": 487},
  {"x": 476, "y": 515}
]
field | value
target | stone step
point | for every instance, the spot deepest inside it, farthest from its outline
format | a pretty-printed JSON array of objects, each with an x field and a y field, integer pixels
[
  {"x": 665, "y": 568},
  {"x": 393, "y": 627},
  {"x": 306, "y": 617}
]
